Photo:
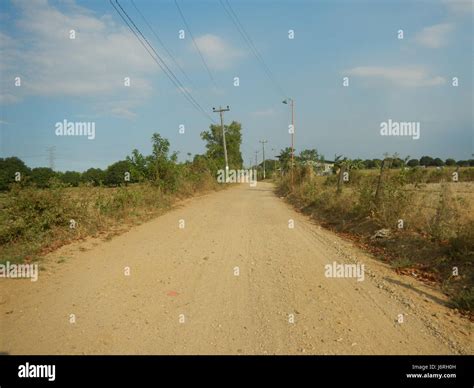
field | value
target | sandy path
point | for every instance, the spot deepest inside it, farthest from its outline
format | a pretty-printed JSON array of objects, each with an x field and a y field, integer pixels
[{"x": 191, "y": 271}]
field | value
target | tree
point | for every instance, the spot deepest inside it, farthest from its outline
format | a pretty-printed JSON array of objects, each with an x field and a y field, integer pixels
[
  {"x": 413, "y": 163},
  {"x": 377, "y": 162},
  {"x": 41, "y": 176},
  {"x": 215, "y": 147},
  {"x": 162, "y": 167},
  {"x": 96, "y": 176},
  {"x": 138, "y": 166},
  {"x": 438, "y": 162},
  {"x": 368, "y": 163},
  {"x": 116, "y": 173},
  {"x": 308, "y": 156},
  {"x": 72, "y": 178},
  {"x": 9, "y": 167},
  {"x": 450, "y": 162},
  {"x": 426, "y": 161},
  {"x": 285, "y": 159},
  {"x": 462, "y": 163}
]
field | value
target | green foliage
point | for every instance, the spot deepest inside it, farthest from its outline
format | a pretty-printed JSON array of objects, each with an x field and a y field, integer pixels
[
  {"x": 115, "y": 173},
  {"x": 41, "y": 176},
  {"x": 138, "y": 166},
  {"x": 285, "y": 159},
  {"x": 94, "y": 176},
  {"x": 215, "y": 148},
  {"x": 426, "y": 161},
  {"x": 8, "y": 168},
  {"x": 450, "y": 162},
  {"x": 71, "y": 178},
  {"x": 306, "y": 156},
  {"x": 30, "y": 212}
]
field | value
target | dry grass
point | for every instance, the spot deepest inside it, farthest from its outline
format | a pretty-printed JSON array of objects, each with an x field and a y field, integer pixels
[
  {"x": 437, "y": 234},
  {"x": 35, "y": 221}
]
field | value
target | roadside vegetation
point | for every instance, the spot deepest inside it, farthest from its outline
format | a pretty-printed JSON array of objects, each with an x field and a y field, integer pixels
[
  {"x": 42, "y": 209},
  {"x": 419, "y": 219}
]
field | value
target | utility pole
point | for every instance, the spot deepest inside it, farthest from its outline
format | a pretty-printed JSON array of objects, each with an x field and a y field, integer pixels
[
  {"x": 263, "y": 146},
  {"x": 220, "y": 111},
  {"x": 274, "y": 163}
]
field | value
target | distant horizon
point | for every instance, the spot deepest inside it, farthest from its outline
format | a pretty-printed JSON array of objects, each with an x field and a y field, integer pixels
[{"x": 244, "y": 164}]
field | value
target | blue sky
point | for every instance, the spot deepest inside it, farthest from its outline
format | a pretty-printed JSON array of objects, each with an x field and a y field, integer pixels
[{"x": 406, "y": 80}]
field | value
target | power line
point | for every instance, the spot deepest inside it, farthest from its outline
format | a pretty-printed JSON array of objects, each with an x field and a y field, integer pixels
[
  {"x": 194, "y": 42},
  {"x": 162, "y": 43},
  {"x": 162, "y": 65},
  {"x": 248, "y": 40},
  {"x": 173, "y": 77}
]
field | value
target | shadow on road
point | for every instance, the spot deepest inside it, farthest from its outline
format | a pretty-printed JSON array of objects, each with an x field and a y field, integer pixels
[{"x": 420, "y": 292}]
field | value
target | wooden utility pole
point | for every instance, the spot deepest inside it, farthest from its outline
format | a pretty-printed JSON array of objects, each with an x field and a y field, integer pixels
[{"x": 220, "y": 111}]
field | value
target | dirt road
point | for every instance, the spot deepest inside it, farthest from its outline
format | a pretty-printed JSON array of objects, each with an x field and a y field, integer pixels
[{"x": 235, "y": 280}]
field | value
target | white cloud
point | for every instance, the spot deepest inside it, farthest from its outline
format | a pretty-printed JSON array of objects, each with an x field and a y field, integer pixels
[
  {"x": 403, "y": 76},
  {"x": 92, "y": 65},
  {"x": 218, "y": 53},
  {"x": 434, "y": 36}
]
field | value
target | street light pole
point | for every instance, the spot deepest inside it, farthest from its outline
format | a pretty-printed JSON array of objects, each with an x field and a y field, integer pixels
[
  {"x": 263, "y": 146},
  {"x": 220, "y": 111},
  {"x": 274, "y": 163},
  {"x": 292, "y": 103}
]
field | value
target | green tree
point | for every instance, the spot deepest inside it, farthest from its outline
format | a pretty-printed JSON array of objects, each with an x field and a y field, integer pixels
[
  {"x": 8, "y": 168},
  {"x": 138, "y": 165},
  {"x": 215, "y": 147},
  {"x": 450, "y": 162},
  {"x": 413, "y": 163},
  {"x": 285, "y": 159},
  {"x": 162, "y": 167},
  {"x": 438, "y": 162},
  {"x": 96, "y": 176},
  {"x": 41, "y": 176},
  {"x": 426, "y": 161},
  {"x": 307, "y": 156},
  {"x": 72, "y": 178},
  {"x": 116, "y": 173}
]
